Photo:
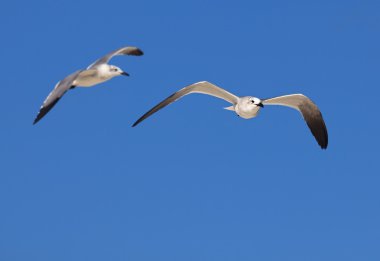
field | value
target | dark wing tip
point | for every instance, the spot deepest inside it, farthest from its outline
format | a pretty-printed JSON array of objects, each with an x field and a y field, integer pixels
[
  {"x": 44, "y": 110},
  {"x": 146, "y": 115},
  {"x": 135, "y": 51},
  {"x": 316, "y": 124},
  {"x": 39, "y": 116},
  {"x": 164, "y": 103},
  {"x": 319, "y": 130},
  {"x": 323, "y": 141}
]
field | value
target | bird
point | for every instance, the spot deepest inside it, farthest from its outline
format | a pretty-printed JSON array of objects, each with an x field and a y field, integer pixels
[
  {"x": 248, "y": 107},
  {"x": 98, "y": 72}
]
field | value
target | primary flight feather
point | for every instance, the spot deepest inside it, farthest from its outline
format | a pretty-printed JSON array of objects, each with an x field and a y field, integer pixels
[
  {"x": 248, "y": 107},
  {"x": 98, "y": 72}
]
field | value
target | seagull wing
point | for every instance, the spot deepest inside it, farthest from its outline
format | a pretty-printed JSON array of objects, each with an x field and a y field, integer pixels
[
  {"x": 59, "y": 90},
  {"x": 129, "y": 50},
  {"x": 199, "y": 87},
  {"x": 309, "y": 111}
]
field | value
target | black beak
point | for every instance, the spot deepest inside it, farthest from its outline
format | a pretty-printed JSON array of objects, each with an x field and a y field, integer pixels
[
  {"x": 125, "y": 73},
  {"x": 261, "y": 105}
]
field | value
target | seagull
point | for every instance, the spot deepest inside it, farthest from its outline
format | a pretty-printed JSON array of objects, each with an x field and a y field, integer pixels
[
  {"x": 248, "y": 107},
  {"x": 98, "y": 72}
]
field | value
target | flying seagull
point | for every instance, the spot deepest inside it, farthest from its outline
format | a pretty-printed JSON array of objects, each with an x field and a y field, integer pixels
[
  {"x": 248, "y": 107},
  {"x": 98, "y": 72}
]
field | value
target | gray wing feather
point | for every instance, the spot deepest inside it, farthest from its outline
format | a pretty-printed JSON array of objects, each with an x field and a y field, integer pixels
[
  {"x": 59, "y": 90},
  {"x": 309, "y": 111},
  {"x": 129, "y": 50},
  {"x": 199, "y": 87}
]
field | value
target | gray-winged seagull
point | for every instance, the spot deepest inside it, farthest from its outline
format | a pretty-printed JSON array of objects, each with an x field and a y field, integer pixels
[
  {"x": 98, "y": 72},
  {"x": 248, "y": 107}
]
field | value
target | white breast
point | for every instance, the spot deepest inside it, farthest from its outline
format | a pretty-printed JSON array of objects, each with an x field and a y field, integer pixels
[
  {"x": 246, "y": 110},
  {"x": 94, "y": 76}
]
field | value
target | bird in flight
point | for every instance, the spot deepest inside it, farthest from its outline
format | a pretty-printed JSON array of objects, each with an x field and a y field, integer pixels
[
  {"x": 98, "y": 72},
  {"x": 248, "y": 107}
]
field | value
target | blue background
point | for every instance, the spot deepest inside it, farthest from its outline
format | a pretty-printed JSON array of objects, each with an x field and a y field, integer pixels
[{"x": 193, "y": 182}]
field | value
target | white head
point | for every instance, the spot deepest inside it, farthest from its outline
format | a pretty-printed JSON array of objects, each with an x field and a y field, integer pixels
[
  {"x": 248, "y": 107},
  {"x": 251, "y": 102},
  {"x": 116, "y": 71}
]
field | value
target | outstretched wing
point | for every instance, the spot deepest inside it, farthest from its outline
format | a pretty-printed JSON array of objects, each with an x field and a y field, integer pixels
[
  {"x": 128, "y": 50},
  {"x": 309, "y": 111},
  {"x": 59, "y": 90},
  {"x": 199, "y": 87}
]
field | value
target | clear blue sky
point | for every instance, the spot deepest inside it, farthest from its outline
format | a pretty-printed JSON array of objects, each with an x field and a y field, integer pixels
[{"x": 193, "y": 182}]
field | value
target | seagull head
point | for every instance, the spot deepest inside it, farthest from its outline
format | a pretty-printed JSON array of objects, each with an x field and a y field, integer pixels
[
  {"x": 116, "y": 71},
  {"x": 255, "y": 102},
  {"x": 248, "y": 107}
]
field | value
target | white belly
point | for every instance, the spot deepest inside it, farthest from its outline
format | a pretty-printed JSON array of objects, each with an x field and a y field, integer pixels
[
  {"x": 89, "y": 78},
  {"x": 89, "y": 82},
  {"x": 247, "y": 112}
]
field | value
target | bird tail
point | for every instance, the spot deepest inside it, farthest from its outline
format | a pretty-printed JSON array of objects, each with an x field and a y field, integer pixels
[{"x": 230, "y": 108}]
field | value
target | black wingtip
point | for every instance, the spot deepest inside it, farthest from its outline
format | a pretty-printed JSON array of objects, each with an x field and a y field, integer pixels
[
  {"x": 44, "y": 110},
  {"x": 38, "y": 118},
  {"x": 139, "y": 120},
  {"x": 40, "y": 115},
  {"x": 322, "y": 142},
  {"x": 325, "y": 142},
  {"x": 137, "y": 52},
  {"x": 323, "y": 139}
]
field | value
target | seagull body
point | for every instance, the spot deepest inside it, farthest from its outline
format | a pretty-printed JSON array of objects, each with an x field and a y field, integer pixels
[
  {"x": 91, "y": 77},
  {"x": 244, "y": 108},
  {"x": 248, "y": 107},
  {"x": 98, "y": 72}
]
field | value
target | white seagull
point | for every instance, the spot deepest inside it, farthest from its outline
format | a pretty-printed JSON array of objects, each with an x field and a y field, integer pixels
[
  {"x": 248, "y": 107},
  {"x": 98, "y": 72}
]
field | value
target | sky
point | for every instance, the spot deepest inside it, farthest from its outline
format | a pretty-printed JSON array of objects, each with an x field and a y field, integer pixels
[{"x": 194, "y": 181}]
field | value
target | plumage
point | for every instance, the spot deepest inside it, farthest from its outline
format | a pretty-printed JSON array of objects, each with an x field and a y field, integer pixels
[
  {"x": 199, "y": 87},
  {"x": 59, "y": 90},
  {"x": 96, "y": 73},
  {"x": 309, "y": 112},
  {"x": 248, "y": 107},
  {"x": 129, "y": 50}
]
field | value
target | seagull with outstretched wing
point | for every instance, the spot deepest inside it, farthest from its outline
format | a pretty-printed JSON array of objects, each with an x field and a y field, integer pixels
[
  {"x": 248, "y": 107},
  {"x": 98, "y": 72}
]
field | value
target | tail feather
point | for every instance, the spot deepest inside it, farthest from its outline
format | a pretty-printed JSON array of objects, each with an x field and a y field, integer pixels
[{"x": 230, "y": 108}]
